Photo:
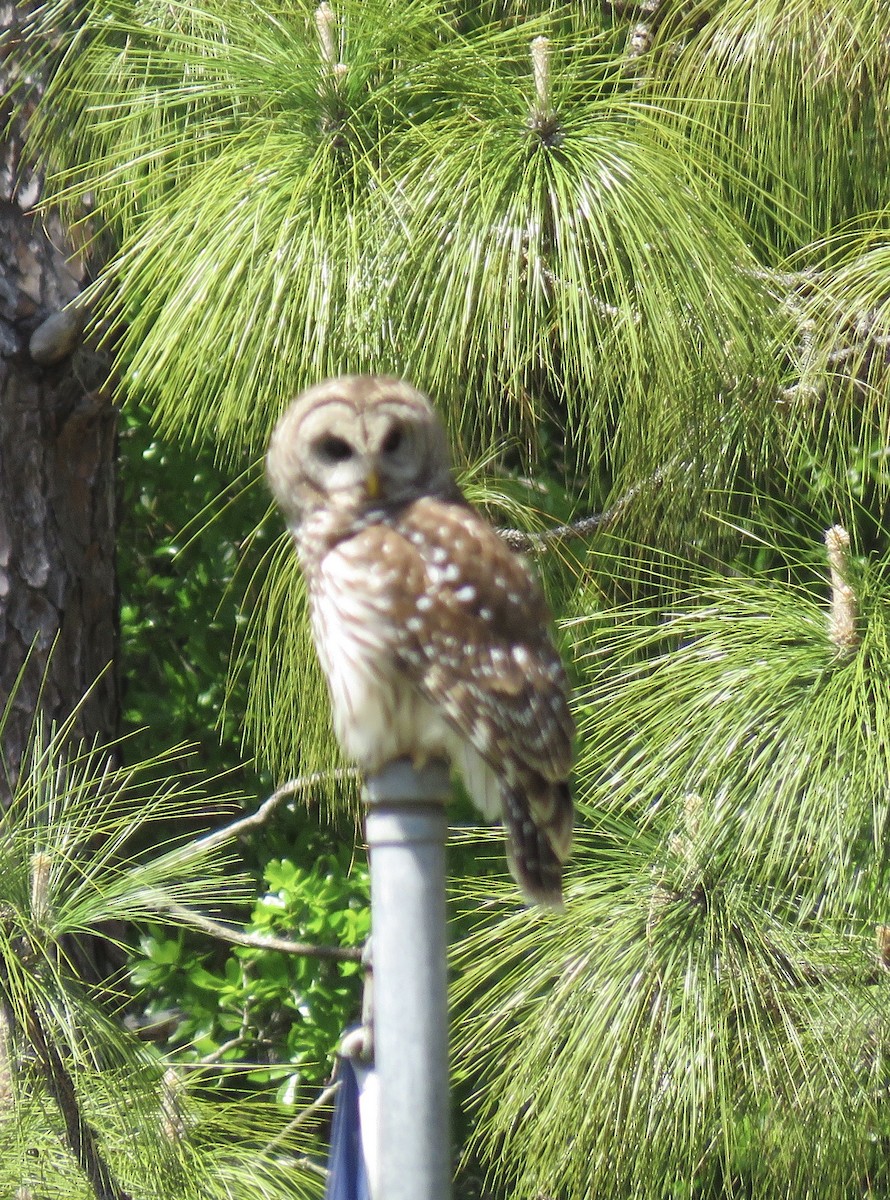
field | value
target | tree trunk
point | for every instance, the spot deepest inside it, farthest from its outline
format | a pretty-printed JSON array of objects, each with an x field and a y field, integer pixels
[{"x": 58, "y": 595}]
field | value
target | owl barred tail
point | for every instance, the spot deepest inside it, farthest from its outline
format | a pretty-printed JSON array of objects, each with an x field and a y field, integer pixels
[{"x": 538, "y": 818}]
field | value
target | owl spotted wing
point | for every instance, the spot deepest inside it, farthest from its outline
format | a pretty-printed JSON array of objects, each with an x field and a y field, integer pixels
[
  {"x": 474, "y": 640},
  {"x": 484, "y": 652}
]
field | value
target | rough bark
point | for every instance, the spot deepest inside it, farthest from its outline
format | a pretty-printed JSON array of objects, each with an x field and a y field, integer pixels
[{"x": 58, "y": 602}]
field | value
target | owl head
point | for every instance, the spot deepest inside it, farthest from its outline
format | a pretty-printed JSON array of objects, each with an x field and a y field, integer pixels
[{"x": 357, "y": 442}]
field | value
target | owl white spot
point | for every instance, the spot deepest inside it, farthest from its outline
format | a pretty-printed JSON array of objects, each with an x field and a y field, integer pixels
[
  {"x": 520, "y": 656},
  {"x": 486, "y": 614},
  {"x": 423, "y": 603},
  {"x": 439, "y": 556},
  {"x": 481, "y": 736},
  {"x": 451, "y": 574},
  {"x": 465, "y": 594},
  {"x": 414, "y": 624},
  {"x": 434, "y": 677}
]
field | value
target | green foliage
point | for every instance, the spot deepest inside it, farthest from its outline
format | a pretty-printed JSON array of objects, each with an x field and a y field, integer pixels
[
  {"x": 75, "y": 815},
  {"x": 260, "y": 1015},
  {"x": 68, "y": 872},
  {"x": 780, "y": 737},
  {"x": 228, "y": 1153},
  {"x": 408, "y": 214},
  {"x": 712, "y": 991},
  {"x": 277, "y": 651},
  {"x": 185, "y": 553},
  {"x": 790, "y": 96},
  {"x": 418, "y": 213},
  {"x": 550, "y": 255},
  {"x": 564, "y": 253}
]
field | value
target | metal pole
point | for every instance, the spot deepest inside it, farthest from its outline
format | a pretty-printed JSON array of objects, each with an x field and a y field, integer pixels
[{"x": 406, "y": 831}]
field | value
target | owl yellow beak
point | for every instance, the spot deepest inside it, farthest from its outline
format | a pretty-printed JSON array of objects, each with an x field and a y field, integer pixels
[{"x": 372, "y": 484}]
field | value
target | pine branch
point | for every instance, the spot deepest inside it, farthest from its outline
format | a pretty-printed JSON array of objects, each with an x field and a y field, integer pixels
[
  {"x": 80, "y": 1136},
  {"x": 844, "y": 347},
  {"x": 256, "y": 941},
  {"x": 537, "y": 543},
  {"x": 294, "y": 787}
]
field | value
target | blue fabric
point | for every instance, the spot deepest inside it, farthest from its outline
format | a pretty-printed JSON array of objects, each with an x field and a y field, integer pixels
[{"x": 347, "y": 1178}]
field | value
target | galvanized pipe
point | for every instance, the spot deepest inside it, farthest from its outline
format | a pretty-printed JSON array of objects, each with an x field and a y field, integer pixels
[{"x": 406, "y": 832}]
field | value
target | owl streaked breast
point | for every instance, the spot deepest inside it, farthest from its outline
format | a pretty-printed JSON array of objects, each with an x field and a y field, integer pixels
[{"x": 378, "y": 716}]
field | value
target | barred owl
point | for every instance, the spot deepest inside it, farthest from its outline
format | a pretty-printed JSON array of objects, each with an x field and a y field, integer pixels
[{"x": 432, "y": 634}]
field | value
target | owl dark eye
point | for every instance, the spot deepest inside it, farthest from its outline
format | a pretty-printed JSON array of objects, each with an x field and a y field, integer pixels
[
  {"x": 333, "y": 449},
  {"x": 393, "y": 440}
]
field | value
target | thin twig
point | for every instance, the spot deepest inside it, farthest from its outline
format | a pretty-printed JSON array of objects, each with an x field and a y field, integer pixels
[
  {"x": 256, "y": 941},
  {"x": 784, "y": 279},
  {"x": 322, "y": 1100},
  {"x": 259, "y": 941},
  {"x": 216, "y": 1056},
  {"x": 307, "y": 1164},
  {"x": 520, "y": 539},
  {"x": 231, "y": 933},
  {"x": 292, "y": 788}
]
